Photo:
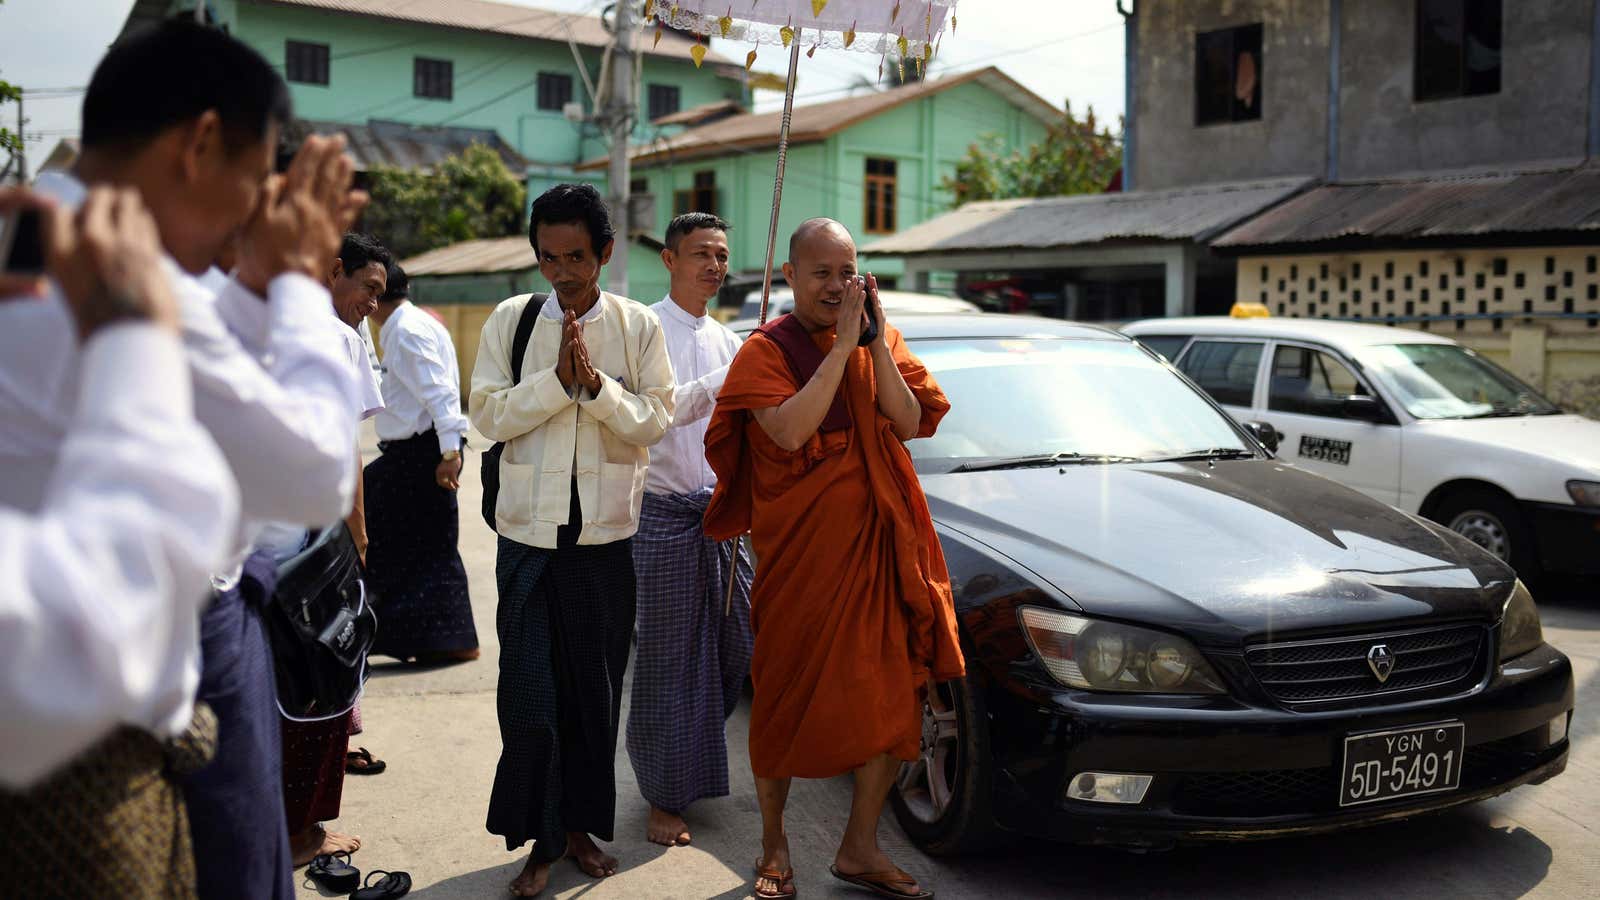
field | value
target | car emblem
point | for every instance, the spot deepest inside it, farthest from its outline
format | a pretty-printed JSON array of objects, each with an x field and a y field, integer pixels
[{"x": 1381, "y": 660}]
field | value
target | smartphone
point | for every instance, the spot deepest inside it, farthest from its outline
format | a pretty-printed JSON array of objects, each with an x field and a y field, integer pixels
[
  {"x": 21, "y": 244},
  {"x": 869, "y": 333}
]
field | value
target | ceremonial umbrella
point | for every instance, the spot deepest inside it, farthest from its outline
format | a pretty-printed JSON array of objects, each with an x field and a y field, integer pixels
[{"x": 908, "y": 30}]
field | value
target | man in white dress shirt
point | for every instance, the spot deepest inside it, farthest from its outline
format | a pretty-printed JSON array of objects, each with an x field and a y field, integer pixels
[
  {"x": 413, "y": 566},
  {"x": 101, "y": 584},
  {"x": 694, "y": 647},
  {"x": 190, "y": 117}
]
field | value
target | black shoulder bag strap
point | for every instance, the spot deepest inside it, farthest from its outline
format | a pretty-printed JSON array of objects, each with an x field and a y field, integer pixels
[{"x": 491, "y": 457}]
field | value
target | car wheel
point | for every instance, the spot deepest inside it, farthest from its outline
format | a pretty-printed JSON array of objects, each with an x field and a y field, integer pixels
[
  {"x": 1491, "y": 520},
  {"x": 942, "y": 798}
]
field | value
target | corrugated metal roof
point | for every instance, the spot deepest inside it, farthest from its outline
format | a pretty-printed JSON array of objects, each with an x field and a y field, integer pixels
[
  {"x": 380, "y": 143},
  {"x": 816, "y": 121},
  {"x": 1182, "y": 214},
  {"x": 472, "y": 15},
  {"x": 1432, "y": 205},
  {"x": 507, "y": 254}
]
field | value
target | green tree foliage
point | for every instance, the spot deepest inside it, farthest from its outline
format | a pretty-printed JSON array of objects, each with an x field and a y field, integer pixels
[
  {"x": 1076, "y": 157},
  {"x": 468, "y": 196}
]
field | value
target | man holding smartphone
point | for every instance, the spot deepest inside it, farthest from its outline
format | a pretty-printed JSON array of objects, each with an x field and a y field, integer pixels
[
  {"x": 851, "y": 605},
  {"x": 189, "y": 118},
  {"x": 102, "y": 583}
]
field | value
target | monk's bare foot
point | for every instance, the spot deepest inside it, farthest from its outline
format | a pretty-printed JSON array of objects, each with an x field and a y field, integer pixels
[
  {"x": 535, "y": 875},
  {"x": 667, "y": 829},
  {"x": 316, "y": 841},
  {"x": 876, "y": 863},
  {"x": 774, "y": 859},
  {"x": 594, "y": 862}
]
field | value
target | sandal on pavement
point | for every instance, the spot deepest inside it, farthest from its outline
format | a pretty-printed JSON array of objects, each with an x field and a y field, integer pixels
[
  {"x": 391, "y": 885},
  {"x": 361, "y": 762},
  {"x": 333, "y": 873},
  {"x": 783, "y": 877},
  {"x": 894, "y": 884}
]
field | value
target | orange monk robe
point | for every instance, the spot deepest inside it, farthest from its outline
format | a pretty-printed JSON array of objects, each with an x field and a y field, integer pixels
[{"x": 851, "y": 604}]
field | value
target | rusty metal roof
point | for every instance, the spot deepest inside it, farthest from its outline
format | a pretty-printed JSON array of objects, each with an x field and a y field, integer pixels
[
  {"x": 817, "y": 121},
  {"x": 396, "y": 144},
  {"x": 1558, "y": 197},
  {"x": 490, "y": 255},
  {"x": 469, "y": 15},
  {"x": 507, "y": 254},
  {"x": 1180, "y": 214}
]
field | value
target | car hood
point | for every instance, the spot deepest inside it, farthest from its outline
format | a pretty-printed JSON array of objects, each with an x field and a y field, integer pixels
[
  {"x": 1225, "y": 553},
  {"x": 1570, "y": 439}
]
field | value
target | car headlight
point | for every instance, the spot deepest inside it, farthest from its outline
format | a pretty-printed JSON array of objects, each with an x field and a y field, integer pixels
[
  {"x": 1584, "y": 493},
  {"x": 1108, "y": 656},
  {"x": 1519, "y": 624}
]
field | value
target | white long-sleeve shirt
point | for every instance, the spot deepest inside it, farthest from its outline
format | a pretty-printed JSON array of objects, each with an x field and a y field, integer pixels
[
  {"x": 421, "y": 379},
  {"x": 701, "y": 348},
  {"x": 272, "y": 384},
  {"x": 101, "y": 587}
]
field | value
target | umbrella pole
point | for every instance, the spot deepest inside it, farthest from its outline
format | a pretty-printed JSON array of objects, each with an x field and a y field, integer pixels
[{"x": 772, "y": 244}]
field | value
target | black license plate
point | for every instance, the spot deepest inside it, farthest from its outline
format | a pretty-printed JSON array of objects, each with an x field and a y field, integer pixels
[{"x": 1402, "y": 762}]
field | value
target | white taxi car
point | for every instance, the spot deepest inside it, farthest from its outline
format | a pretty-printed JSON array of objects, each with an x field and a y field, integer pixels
[{"x": 1410, "y": 418}]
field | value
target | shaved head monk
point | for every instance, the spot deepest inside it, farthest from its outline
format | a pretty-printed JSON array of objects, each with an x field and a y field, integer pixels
[{"x": 851, "y": 604}]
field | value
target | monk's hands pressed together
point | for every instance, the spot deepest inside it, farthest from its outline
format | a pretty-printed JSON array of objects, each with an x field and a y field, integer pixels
[
  {"x": 852, "y": 316},
  {"x": 874, "y": 305}
]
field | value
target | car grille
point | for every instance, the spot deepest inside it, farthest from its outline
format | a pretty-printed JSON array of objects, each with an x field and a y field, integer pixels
[
  {"x": 1337, "y": 668},
  {"x": 1286, "y": 792}
]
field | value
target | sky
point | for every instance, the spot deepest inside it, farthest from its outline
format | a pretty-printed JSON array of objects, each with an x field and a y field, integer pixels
[{"x": 1060, "y": 49}]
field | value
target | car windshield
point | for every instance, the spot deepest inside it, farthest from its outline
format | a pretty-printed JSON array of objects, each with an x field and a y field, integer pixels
[
  {"x": 1447, "y": 381},
  {"x": 1051, "y": 400}
]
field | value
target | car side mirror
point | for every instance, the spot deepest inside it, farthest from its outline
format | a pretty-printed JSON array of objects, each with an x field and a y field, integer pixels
[
  {"x": 1265, "y": 433},
  {"x": 1363, "y": 407}
]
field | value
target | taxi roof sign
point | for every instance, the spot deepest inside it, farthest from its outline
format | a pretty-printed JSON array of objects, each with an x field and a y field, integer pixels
[{"x": 1243, "y": 310}]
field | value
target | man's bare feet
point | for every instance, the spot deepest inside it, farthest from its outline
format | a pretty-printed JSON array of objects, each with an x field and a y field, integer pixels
[
  {"x": 774, "y": 858},
  {"x": 667, "y": 829},
  {"x": 594, "y": 862},
  {"x": 535, "y": 875},
  {"x": 316, "y": 841}
]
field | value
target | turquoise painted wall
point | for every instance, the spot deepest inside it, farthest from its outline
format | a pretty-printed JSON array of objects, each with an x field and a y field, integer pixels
[
  {"x": 495, "y": 77},
  {"x": 926, "y": 139}
]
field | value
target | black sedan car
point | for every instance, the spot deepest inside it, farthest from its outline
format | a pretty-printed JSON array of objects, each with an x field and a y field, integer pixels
[{"x": 1173, "y": 636}]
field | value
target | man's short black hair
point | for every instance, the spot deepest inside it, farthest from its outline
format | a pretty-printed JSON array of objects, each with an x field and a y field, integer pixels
[
  {"x": 361, "y": 250},
  {"x": 399, "y": 285},
  {"x": 682, "y": 226},
  {"x": 568, "y": 204},
  {"x": 171, "y": 73}
]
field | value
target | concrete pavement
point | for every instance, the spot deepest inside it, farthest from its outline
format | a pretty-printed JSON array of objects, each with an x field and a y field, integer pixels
[{"x": 437, "y": 730}]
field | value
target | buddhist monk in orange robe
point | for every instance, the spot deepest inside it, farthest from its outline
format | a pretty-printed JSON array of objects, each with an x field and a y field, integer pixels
[{"x": 851, "y": 604}]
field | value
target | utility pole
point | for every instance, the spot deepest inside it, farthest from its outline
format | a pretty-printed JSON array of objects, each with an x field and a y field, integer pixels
[
  {"x": 200, "y": 12},
  {"x": 22, "y": 145},
  {"x": 619, "y": 115}
]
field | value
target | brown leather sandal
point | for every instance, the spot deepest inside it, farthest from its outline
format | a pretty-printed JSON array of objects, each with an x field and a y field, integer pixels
[
  {"x": 785, "y": 881},
  {"x": 895, "y": 884}
]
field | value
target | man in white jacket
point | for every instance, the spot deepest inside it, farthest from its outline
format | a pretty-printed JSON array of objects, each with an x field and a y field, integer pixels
[{"x": 593, "y": 393}]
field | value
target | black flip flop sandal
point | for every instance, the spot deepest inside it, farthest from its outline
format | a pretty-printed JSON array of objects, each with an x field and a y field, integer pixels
[
  {"x": 333, "y": 873},
  {"x": 361, "y": 762},
  {"x": 391, "y": 885}
]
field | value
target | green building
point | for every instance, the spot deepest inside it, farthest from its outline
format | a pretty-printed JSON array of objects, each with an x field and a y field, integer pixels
[
  {"x": 874, "y": 162},
  {"x": 411, "y": 81}
]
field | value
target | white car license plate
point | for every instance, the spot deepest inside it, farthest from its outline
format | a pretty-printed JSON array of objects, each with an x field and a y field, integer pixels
[{"x": 1402, "y": 762}]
